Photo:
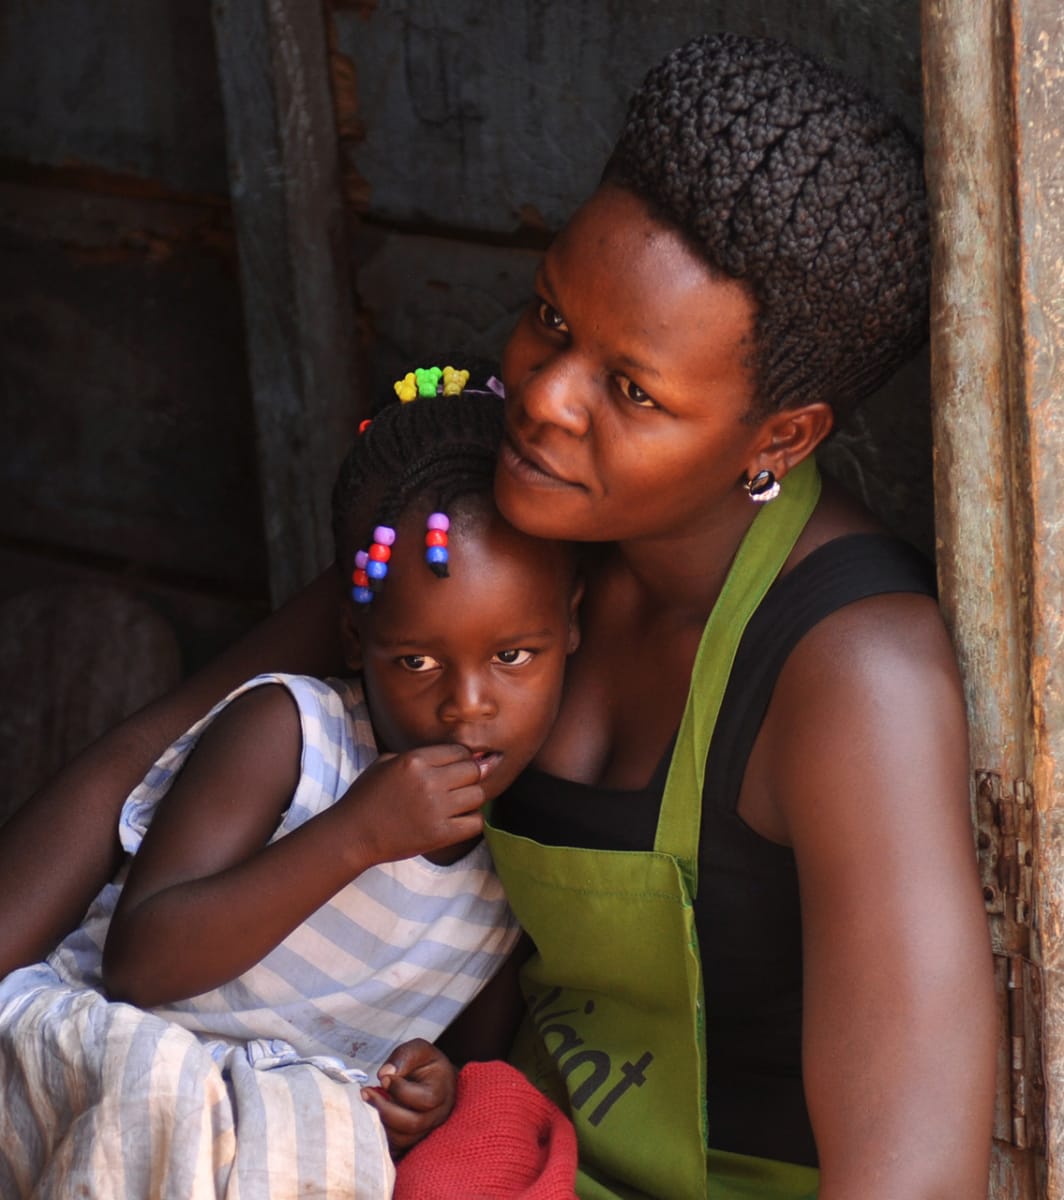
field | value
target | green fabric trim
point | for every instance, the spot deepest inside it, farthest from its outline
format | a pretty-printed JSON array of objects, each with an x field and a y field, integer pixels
[{"x": 760, "y": 557}]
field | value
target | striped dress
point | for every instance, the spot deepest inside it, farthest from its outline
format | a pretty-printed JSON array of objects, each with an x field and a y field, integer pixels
[{"x": 249, "y": 1091}]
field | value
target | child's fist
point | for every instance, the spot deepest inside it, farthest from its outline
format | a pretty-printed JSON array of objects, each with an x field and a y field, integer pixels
[{"x": 416, "y": 1093}]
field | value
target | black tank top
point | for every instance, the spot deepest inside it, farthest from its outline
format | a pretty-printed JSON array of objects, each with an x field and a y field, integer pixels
[{"x": 746, "y": 912}]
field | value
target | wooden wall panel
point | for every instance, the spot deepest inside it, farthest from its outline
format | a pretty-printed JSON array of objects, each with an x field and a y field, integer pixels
[
  {"x": 113, "y": 85},
  {"x": 126, "y": 403},
  {"x": 129, "y": 449},
  {"x": 489, "y": 116}
]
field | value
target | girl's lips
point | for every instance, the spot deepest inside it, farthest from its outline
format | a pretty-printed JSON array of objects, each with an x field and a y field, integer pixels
[{"x": 487, "y": 761}]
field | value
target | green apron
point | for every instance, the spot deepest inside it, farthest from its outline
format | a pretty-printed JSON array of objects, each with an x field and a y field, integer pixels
[{"x": 614, "y": 1024}]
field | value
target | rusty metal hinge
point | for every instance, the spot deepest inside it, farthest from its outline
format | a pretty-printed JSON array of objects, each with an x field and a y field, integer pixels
[
  {"x": 1005, "y": 822},
  {"x": 1026, "y": 1081},
  {"x": 1005, "y": 831}
]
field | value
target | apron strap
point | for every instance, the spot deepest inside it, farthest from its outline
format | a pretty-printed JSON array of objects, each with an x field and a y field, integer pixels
[{"x": 761, "y": 555}]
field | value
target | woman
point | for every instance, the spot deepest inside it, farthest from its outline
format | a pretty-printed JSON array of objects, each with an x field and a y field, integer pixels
[{"x": 785, "y": 936}]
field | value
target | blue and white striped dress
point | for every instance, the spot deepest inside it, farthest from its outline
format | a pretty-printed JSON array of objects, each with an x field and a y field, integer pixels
[{"x": 250, "y": 1090}]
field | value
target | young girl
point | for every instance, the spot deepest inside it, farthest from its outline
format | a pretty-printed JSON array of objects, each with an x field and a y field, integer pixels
[{"x": 308, "y": 885}]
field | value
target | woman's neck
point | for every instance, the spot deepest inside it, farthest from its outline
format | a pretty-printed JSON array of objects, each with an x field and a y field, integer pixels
[{"x": 680, "y": 577}]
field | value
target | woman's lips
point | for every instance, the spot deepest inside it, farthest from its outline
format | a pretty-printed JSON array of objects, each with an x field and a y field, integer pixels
[{"x": 529, "y": 466}]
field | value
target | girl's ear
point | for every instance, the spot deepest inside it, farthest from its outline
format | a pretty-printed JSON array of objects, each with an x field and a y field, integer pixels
[
  {"x": 574, "y": 616},
  {"x": 789, "y": 437},
  {"x": 349, "y": 639}
]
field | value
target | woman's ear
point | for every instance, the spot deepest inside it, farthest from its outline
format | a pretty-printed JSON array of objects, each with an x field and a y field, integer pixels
[
  {"x": 574, "y": 616},
  {"x": 790, "y": 436},
  {"x": 350, "y": 642}
]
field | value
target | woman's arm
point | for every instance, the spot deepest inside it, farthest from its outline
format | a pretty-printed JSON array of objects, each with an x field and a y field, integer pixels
[
  {"x": 60, "y": 848},
  {"x": 868, "y": 760},
  {"x": 209, "y": 895}
]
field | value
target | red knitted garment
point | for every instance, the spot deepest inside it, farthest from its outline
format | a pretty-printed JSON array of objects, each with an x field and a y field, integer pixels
[{"x": 503, "y": 1141}]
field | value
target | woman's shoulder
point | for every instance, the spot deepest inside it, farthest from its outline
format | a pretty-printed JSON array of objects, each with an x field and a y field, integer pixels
[
  {"x": 869, "y": 690},
  {"x": 873, "y": 597},
  {"x": 869, "y": 711},
  {"x": 876, "y": 633}
]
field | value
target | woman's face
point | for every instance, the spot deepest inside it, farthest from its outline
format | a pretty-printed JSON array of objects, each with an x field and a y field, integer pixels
[{"x": 627, "y": 385}]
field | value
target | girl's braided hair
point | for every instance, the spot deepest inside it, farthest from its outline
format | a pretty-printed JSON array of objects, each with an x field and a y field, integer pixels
[
  {"x": 779, "y": 172},
  {"x": 435, "y": 449}
]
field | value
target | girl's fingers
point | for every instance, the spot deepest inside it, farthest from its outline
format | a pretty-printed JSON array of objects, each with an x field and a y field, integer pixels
[{"x": 404, "y": 1125}]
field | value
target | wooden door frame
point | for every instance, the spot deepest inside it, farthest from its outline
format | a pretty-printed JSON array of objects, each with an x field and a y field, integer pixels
[{"x": 994, "y": 110}]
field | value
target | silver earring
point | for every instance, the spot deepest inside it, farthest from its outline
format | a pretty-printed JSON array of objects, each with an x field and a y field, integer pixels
[{"x": 763, "y": 487}]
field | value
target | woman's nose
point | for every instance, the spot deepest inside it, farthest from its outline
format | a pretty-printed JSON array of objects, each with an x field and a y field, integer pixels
[
  {"x": 556, "y": 392},
  {"x": 469, "y": 699}
]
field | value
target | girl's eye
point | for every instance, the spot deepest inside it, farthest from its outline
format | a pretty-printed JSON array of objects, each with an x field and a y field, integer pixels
[
  {"x": 514, "y": 658},
  {"x": 635, "y": 393},
  {"x": 551, "y": 318},
  {"x": 418, "y": 662}
]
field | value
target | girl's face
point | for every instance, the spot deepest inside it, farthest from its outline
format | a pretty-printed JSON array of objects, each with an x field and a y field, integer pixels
[
  {"x": 627, "y": 385},
  {"x": 477, "y": 658}
]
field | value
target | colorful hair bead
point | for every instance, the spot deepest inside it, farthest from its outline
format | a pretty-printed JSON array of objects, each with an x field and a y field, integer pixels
[
  {"x": 406, "y": 388},
  {"x": 360, "y": 593},
  {"x": 436, "y": 543},
  {"x": 364, "y": 425},
  {"x": 428, "y": 380},
  {"x": 454, "y": 381},
  {"x": 377, "y": 557}
]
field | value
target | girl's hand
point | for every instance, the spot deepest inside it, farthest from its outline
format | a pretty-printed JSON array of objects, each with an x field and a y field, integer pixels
[
  {"x": 416, "y": 1093},
  {"x": 209, "y": 848},
  {"x": 414, "y": 803}
]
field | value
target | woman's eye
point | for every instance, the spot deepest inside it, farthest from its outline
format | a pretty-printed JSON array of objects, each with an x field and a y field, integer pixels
[
  {"x": 418, "y": 662},
  {"x": 635, "y": 393},
  {"x": 514, "y": 658},
  {"x": 551, "y": 318}
]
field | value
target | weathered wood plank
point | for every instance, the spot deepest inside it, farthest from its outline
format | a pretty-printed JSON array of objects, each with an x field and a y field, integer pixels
[
  {"x": 294, "y": 269},
  {"x": 981, "y": 522},
  {"x": 979, "y": 517},
  {"x": 1038, "y": 78},
  {"x": 994, "y": 89}
]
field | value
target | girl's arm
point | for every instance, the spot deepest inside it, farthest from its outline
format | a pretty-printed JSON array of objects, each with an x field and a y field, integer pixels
[
  {"x": 61, "y": 847},
  {"x": 868, "y": 759},
  {"x": 208, "y": 895}
]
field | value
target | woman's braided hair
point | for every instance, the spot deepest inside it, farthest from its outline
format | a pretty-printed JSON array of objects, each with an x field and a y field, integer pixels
[
  {"x": 779, "y": 172},
  {"x": 433, "y": 450}
]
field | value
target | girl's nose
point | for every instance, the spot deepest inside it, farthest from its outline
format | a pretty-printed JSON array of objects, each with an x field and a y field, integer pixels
[
  {"x": 557, "y": 392},
  {"x": 468, "y": 700}
]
